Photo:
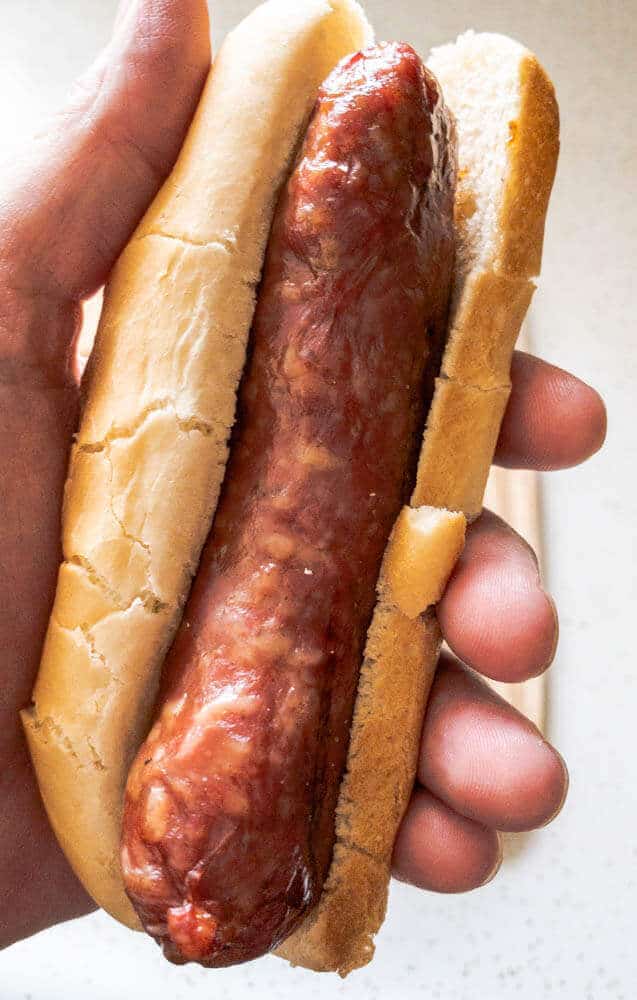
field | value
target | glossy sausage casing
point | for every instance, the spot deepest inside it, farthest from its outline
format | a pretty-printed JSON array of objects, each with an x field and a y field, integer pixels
[{"x": 229, "y": 814}]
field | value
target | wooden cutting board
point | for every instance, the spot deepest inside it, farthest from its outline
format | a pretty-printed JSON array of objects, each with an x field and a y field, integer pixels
[{"x": 515, "y": 496}]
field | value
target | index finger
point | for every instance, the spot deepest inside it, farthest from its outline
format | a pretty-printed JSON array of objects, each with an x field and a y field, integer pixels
[{"x": 553, "y": 420}]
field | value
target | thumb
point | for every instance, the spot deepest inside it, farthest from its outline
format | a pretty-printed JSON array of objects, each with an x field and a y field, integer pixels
[{"x": 82, "y": 186}]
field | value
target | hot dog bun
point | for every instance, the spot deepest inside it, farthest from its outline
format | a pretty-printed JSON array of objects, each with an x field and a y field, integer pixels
[
  {"x": 508, "y": 139},
  {"x": 150, "y": 457},
  {"x": 151, "y": 449}
]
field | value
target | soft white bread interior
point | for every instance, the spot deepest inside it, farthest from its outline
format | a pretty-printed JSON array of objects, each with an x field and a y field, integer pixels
[
  {"x": 151, "y": 449},
  {"x": 508, "y": 134},
  {"x": 508, "y": 127}
]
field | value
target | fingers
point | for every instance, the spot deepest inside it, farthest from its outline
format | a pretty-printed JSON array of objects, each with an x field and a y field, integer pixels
[
  {"x": 483, "y": 768},
  {"x": 494, "y": 614},
  {"x": 86, "y": 182},
  {"x": 438, "y": 849},
  {"x": 483, "y": 759},
  {"x": 552, "y": 421}
]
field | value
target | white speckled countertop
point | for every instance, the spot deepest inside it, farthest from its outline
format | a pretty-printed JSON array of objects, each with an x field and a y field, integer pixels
[{"x": 559, "y": 920}]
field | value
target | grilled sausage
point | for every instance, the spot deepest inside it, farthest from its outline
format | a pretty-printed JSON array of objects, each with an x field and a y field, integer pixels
[{"x": 229, "y": 813}]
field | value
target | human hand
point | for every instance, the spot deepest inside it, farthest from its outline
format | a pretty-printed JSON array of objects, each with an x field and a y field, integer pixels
[
  {"x": 66, "y": 215},
  {"x": 66, "y": 212}
]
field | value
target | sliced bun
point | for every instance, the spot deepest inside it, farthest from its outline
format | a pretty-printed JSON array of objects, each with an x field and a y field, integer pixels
[
  {"x": 145, "y": 472},
  {"x": 151, "y": 450},
  {"x": 508, "y": 128}
]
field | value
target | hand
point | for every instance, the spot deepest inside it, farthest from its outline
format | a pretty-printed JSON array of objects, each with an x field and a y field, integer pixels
[
  {"x": 65, "y": 215},
  {"x": 68, "y": 212},
  {"x": 483, "y": 767}
]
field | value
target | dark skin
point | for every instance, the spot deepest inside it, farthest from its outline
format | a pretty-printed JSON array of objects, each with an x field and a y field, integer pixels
[{"x": 65, "y": 214}]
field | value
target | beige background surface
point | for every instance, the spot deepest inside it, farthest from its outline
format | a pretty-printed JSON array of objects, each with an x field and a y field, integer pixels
[{"x": 559, "y": 922}]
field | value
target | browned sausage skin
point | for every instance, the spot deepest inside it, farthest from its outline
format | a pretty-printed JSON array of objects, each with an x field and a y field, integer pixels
[{"x": 229, "y": 813}]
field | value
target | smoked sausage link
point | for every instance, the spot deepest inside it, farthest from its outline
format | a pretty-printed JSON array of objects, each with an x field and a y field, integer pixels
[{"x": 229, "y": 812}]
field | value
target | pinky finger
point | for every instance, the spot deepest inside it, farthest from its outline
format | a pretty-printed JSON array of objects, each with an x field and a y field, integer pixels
[{"x": 439, "y": 850}]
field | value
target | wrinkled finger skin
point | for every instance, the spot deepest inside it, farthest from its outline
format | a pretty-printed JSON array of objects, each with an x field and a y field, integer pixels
[
  {"x": 485, "y": 759},
  {"x": 229, "y": 818},
  {"x": 495, "y": 613},
  {"x": 440, "y": 850},
  {"x": 553, "y": 419},
  {"x": 483, "y": 768}
]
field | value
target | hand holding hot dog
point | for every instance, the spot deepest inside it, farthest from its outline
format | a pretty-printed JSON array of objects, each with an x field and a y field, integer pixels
[{"x": 59, "y": 241}]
